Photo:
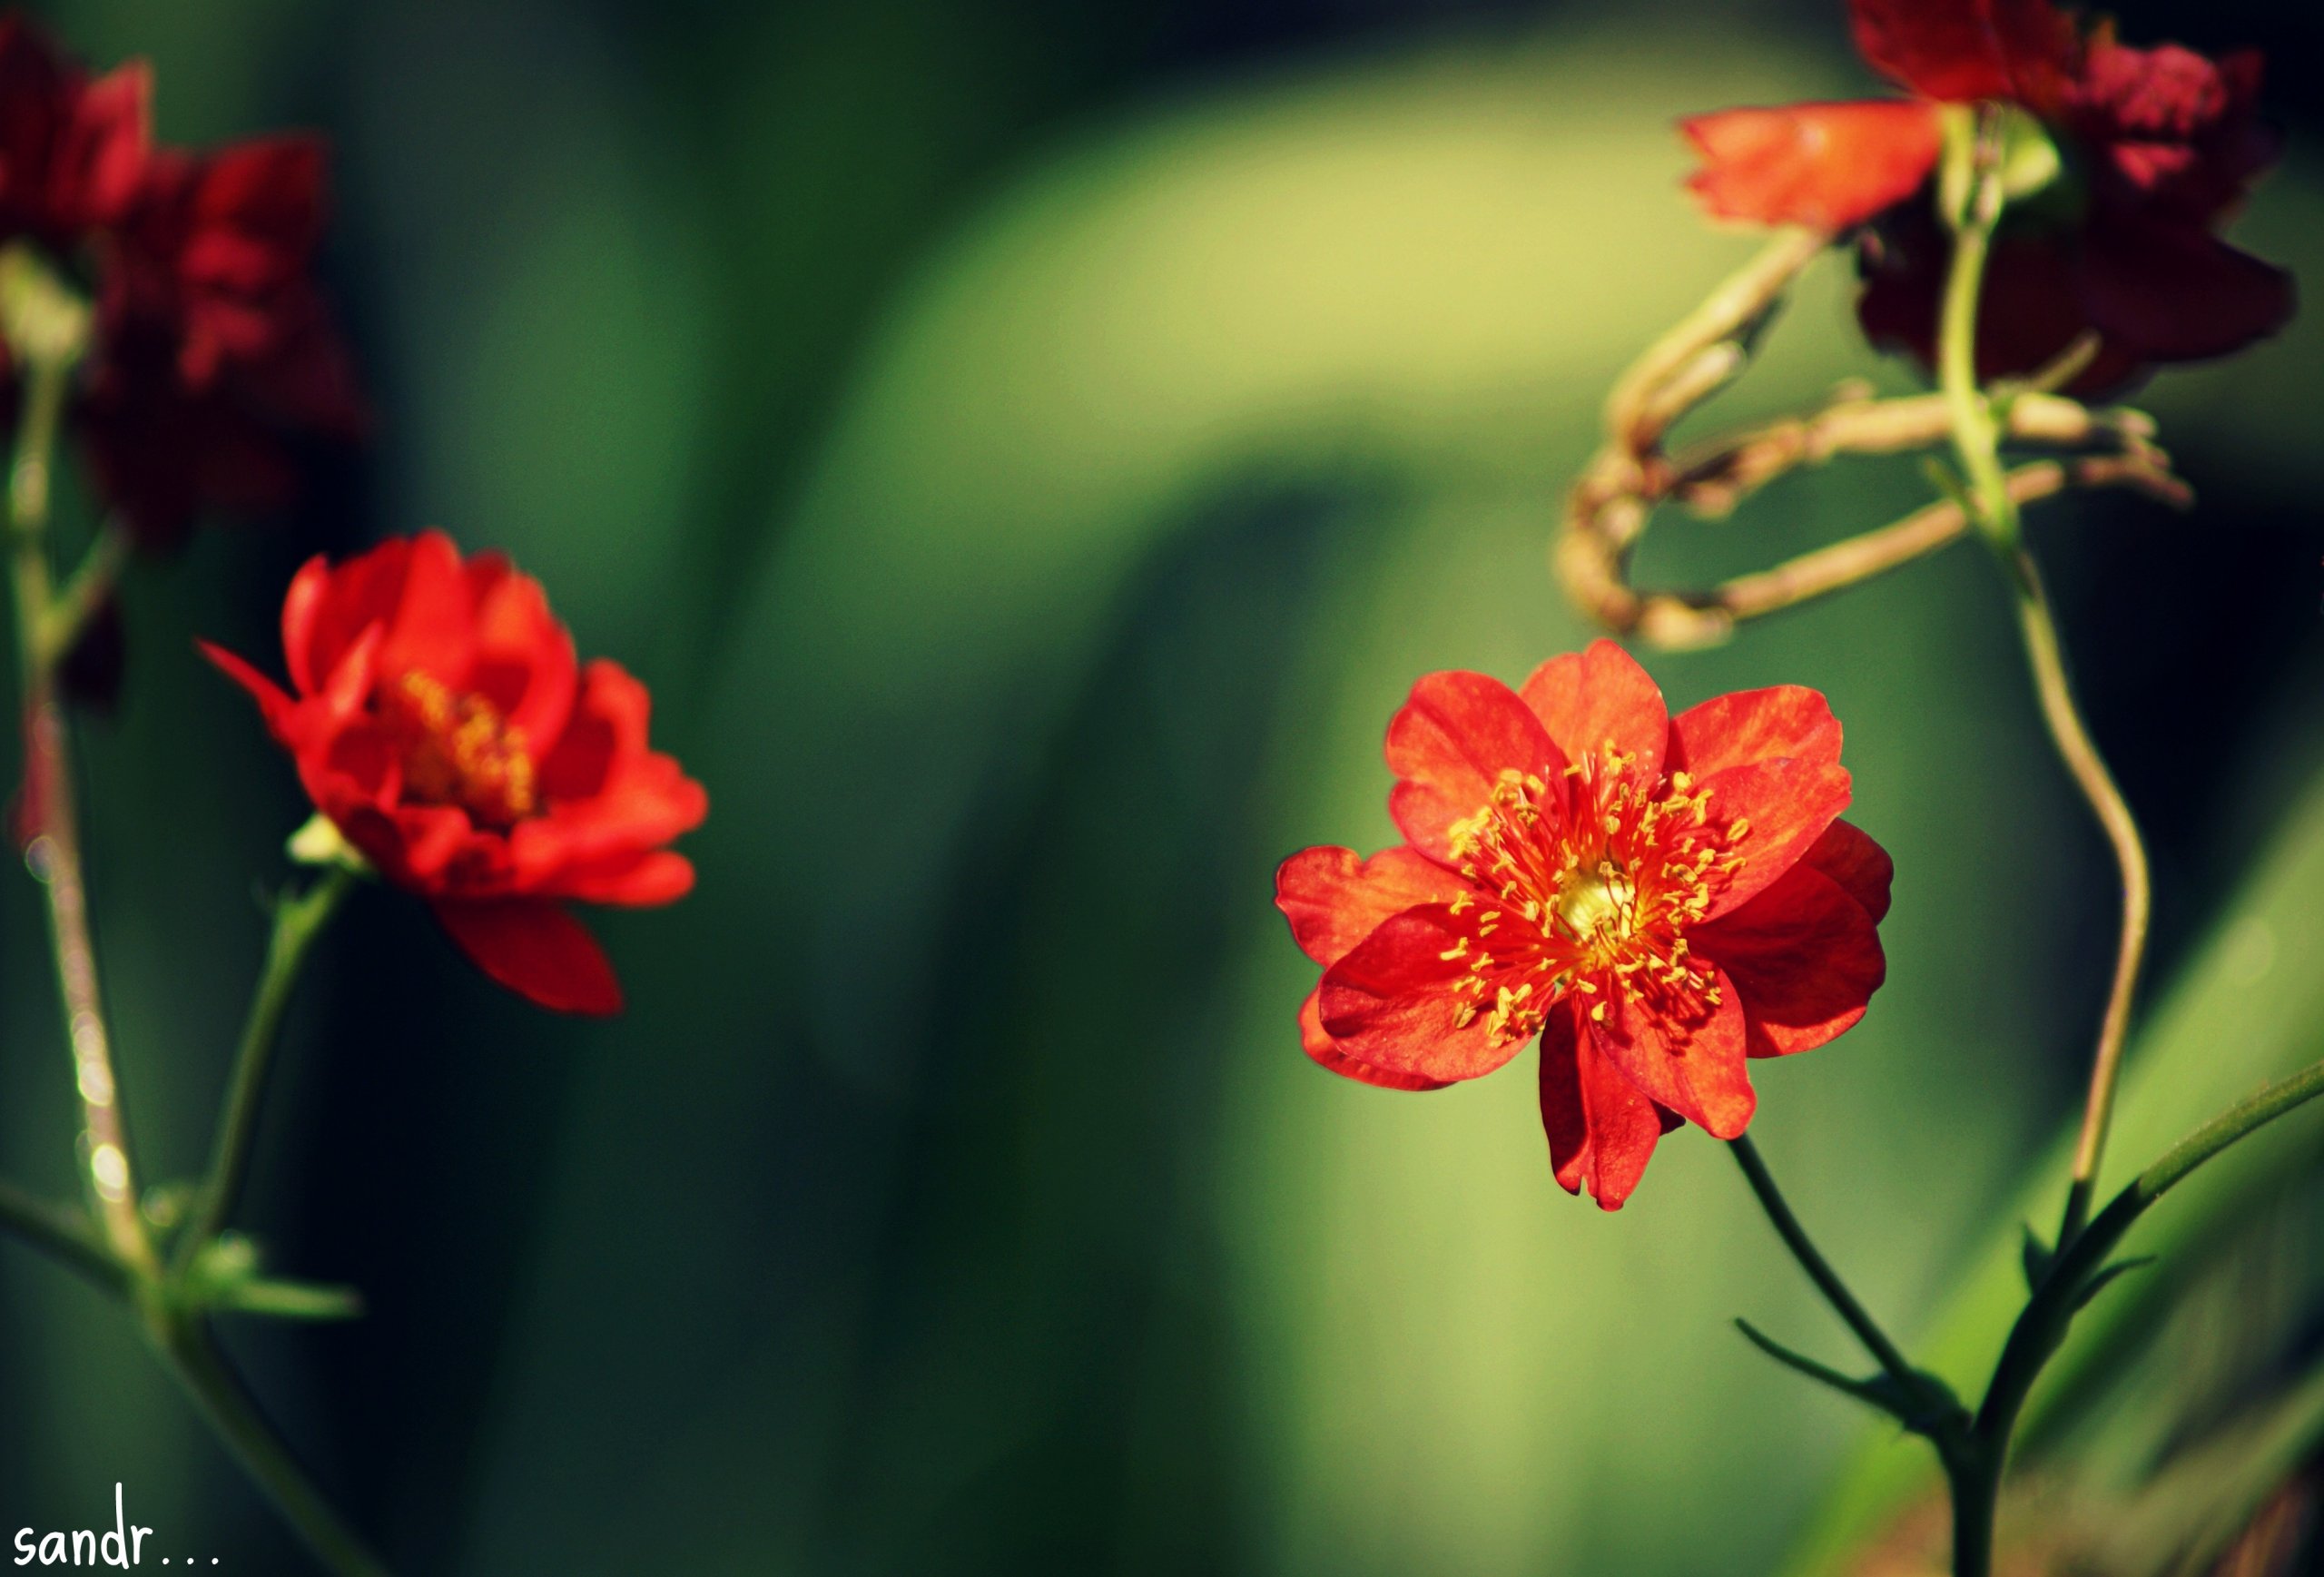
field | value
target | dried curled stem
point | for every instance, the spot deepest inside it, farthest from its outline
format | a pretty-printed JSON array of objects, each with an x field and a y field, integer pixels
[{"x": 1632, "y": 476}]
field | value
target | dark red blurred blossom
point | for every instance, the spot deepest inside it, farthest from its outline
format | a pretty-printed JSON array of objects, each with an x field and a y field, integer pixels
[
  {"x": 438, "y": 719},
  {"x": 216, "y": 356},
  {"x": 214, "y": 359},
  {"x": 72, "y": 152},
  {"x": 2160, "y": 146},
  {"x": 1657, "y": 899}
]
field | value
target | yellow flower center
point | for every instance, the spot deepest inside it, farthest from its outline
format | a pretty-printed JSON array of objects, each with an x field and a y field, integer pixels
[
  {"x": 458, "y": 750},
  {"x": 1597, "y": 907},
  {"x": 1586, "y": 886}
]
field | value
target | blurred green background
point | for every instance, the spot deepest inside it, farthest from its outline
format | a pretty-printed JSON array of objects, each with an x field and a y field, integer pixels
[{"x": 1030, "y": 448}]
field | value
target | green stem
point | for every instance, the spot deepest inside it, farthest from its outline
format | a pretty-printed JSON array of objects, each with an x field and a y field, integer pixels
[
  {"x": 1819, "y": 1270},
  {"x": 299, "y": 919},
  {"x": 2043, "y": 1326},
  {"x": 63, "y": 1237},
  {"x": 1977, "y": 430},
  {"x": 216, "y": 1390},
  {"x": 47, "y": 329},
  {"x": 2078, "y": 751},
  {"x": 1976, "y": 1501},
  {"x": 1977, "y": 439}
]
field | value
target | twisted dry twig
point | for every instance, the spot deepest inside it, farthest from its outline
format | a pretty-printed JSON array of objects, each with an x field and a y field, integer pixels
[{"x": 1631, "y": 474}]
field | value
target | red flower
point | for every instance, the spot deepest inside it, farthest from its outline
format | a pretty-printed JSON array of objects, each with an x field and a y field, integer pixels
[
  {"x": 72, "y": 152},
  {"x": 213, "y": 355},
  {"x": 1659, "y": 898},
  {"x": 438, "y": 719},
  {"x": 2160, "y": 146}
]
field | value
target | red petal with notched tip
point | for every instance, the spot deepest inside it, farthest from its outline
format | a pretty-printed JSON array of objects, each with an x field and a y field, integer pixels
[
  {"x": 1602, "y": 1129},
  {"x": 1599, "y": 698},
  {"x": 1334, "y": 900}
]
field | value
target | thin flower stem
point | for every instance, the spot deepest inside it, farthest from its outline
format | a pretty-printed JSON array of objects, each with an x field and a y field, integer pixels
[
  {"x": 1976, "y": 436},
  {"x": 1819, "y": 1270},
  {"x": 53, "y": 852},
  {"x": 219, "y": 1394},
  {"x": 46, "y": 328},
  {"x": 2082, "y": 759},
  {"x": 299, "y": 919},
  {"x": 63, "y": 1237},
  {"x": 1976, "y": 429}
]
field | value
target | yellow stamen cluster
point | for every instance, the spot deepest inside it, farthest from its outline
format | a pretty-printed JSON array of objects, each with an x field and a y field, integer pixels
[
  {"x": 1597, "y": 878},
  {"x": 459, "y": 751}
]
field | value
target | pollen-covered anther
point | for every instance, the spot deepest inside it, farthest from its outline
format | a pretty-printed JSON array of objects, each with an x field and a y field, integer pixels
[{"x": 459, "y": 750}]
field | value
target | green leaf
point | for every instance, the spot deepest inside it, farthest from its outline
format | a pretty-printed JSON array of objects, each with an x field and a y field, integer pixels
[
  {"x": 1874, "y": 1393},
  {"x": 2098, "y": 1283},
  {"x": 2037, "y": 1256}
]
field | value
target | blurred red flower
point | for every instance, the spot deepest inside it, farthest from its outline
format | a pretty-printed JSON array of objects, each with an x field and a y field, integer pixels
[
  {"x": 72, "y": 152},
  {"x": 215, "y": 357},
  {"x": 437, "y": 717},
  {"x": 1659, "y": 898},
  {"x": 2159, "y": 146}
]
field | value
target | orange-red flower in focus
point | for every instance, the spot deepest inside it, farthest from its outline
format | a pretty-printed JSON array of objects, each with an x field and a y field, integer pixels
[
  {"x": 438, "y": 718},
  {"x": 1659, "y": 898},
  {"x": 2159, "y": 146}
]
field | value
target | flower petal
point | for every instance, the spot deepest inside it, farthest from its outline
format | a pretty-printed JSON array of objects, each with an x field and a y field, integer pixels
[
  {"x": 1682, "y": 1053},
  {"x": 2177, "y": 135},
  {"x": 1805, "y": 958},
  {"x": 279, "y": 710},
  {"x": 1317, "y": 1042},
  {"x": 303, "y": 613},
  {"x": 1848, "y": 854},
  {"x": 1600, "y": 698},
  {"x": 536, "y": 950},
  {"x": 1602, "y": 1129},
  {"x": 1448, "y": 746},
  {"x": 1788, "y": 721},
  {"x": 1784, "y": 806},
  {"x": 1390, "y": 1003},
  {"x": 1830, "y": 167},
  {"x": 2030, "y": 311},
  {"x": 1956, "y": 51},
  {"x": 106, "y": 152},
  {"x": 2171, "y": 292},
  {"x": 1334, "y": 900},
  {"x": 642, "y": 880},
  {"x": 524, "y": 660},
  {"x": 433, "y": 628}
]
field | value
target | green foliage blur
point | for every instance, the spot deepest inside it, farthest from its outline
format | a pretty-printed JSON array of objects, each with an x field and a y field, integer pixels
[{"x": 1030, "y": 448}]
